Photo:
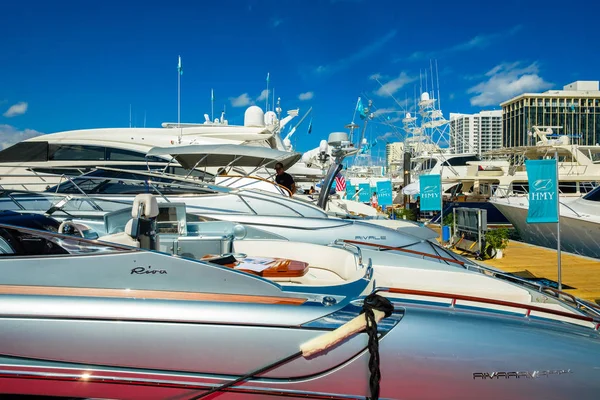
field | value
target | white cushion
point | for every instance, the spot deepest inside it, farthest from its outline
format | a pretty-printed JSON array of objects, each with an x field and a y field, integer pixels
[
  {"x": 121, "y": 238},
  {"x": 150, "y": 206},
  {"x": 129, "y": 228}
]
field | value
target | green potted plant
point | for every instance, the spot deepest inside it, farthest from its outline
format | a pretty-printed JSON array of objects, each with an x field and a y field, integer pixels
[
  {"x": 496, "y": 239},
  {"x": 405, "y": 213}
]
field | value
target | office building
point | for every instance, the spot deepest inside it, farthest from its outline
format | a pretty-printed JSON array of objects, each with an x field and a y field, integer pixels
[
  {"x": 476, "y": 133},
  {"x": 575, "y": 111}
]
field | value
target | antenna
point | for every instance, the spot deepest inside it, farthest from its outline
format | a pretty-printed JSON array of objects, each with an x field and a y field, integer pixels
[
  {"x": 273, "y": 101},
  {"x": 212, "y": 105},
  {"x": 144, "y": 118},
  {"x": 432, "y": 85},
  {"x": 438, "y": 85},
  {"x": 267, "y": 100},
  {"x": 130, "y": 115}
]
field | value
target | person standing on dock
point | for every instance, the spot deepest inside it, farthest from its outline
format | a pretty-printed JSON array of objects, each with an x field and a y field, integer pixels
[{"x": 374, "y": 202}]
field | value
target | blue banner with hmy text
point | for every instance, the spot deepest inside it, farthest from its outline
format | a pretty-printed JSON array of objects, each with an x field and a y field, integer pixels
[
  {"x": 350, "y": 192},
  {"x": 384, "y": 193},
  {"x": 430, "y": 192},
  {"x": 364, "y": 194},
  {"x": 543, "y": 191}
]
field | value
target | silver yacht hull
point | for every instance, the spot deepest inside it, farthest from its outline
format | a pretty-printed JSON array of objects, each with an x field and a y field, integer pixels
[{"x": 96, "y": 322}]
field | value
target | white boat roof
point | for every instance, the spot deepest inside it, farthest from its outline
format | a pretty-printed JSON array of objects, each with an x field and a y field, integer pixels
[{"x": 221, "y": 155}]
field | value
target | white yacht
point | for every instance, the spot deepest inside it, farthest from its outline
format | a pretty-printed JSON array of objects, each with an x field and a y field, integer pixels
[
  {"x": 578, "y": 168},
  {"x": 40, "y": 162},
  {"x": 579, "y": 223}
]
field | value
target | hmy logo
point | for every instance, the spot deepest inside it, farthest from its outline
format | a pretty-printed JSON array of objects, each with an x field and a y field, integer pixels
[
  {"x": 430, "y": 192},
  {"x": 542, "y": 190}
]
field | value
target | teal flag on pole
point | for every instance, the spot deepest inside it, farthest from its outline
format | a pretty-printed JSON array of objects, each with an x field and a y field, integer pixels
[
  {"x": 543, "y": 191},
  {"x": 430, "y": 192},
  {"x": 365, "y": 192},
  {"x": 361, "y": 109},
  {"x": 384, "y": 193},
  {"x": 350, "y": 191}
]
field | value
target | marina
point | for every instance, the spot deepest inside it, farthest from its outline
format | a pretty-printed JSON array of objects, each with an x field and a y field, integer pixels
[{"x": 379, "y": 218}]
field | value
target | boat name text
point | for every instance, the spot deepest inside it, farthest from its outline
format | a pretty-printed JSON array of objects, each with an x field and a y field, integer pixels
[
  {"x": 520, "y": 374},
  {"x": 369, "y": 237},
  {"x": 149, "y": 270}
]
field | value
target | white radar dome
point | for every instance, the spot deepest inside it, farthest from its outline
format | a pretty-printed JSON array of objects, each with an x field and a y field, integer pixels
[
  {"x": 424, "y": 96},
  {"x": 254, "y": 117},
  {"x": 270, "y": 118}
]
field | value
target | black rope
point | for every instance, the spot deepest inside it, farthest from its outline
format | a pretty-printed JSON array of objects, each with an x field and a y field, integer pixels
[
  {"x": 248, "y": 375},
  {"x": 374, "y": 302}
]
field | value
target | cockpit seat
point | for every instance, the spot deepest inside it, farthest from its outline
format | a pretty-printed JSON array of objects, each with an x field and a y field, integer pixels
[{"x": 140, "y": 230}]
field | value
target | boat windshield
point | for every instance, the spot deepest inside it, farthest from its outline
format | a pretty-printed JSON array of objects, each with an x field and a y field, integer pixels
[
  {"x": 29, "y": 242},
  {"x": 594, "y": 195},
  {"x": 124, "y": 182}
]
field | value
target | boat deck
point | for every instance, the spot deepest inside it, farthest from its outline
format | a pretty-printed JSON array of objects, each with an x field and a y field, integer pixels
[{"x": 580, "y": 275}]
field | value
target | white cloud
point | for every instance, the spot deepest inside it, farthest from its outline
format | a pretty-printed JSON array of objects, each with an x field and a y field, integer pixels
[
  {"x": 381, "y": 111},
  {"x": 392, "y": 86},
  {"x": 505, "y": 81},
  {"x": 386, "y": 135},
  {"x": 10, "y": 135},
  {"x": 306, "y": 96},
  {"x": 480, "y": 41},
  {"x": 16, "y": 109},
  {"x": 263, "y": 95},
  {"x": 345, "y": 62},
  {"x": 242, "y": 100},
  {"x": 275, "y": 22}
]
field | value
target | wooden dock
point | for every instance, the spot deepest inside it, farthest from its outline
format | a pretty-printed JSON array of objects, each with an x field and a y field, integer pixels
[{"x": 581, "y": 274}]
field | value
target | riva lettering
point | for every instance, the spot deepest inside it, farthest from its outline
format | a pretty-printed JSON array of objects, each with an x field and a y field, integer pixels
[{"x": 148, "y": 270}]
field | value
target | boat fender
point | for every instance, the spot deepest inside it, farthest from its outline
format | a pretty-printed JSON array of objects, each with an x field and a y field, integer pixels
[{"x": 375, "y": 308}]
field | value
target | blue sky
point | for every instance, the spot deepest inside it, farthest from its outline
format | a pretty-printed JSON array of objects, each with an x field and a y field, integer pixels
[{"x": 80, "y": 64}]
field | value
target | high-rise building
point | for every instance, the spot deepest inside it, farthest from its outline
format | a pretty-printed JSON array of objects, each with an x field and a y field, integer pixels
[
  {"x": 476, "y": 133},
  {"x": 575, "y": 110},
  {"x": 394, "y": 153}
]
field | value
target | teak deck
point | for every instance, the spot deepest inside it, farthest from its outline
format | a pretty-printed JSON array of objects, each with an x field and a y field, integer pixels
[
  {"x": 580, "y": 273},
  {"x": 530, "y": 261}
]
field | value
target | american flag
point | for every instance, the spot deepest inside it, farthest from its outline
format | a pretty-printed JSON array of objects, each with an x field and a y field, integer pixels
[{"x": 340, "y": 183}]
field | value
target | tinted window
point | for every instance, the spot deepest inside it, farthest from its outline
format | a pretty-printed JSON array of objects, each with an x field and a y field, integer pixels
[
  {"x": 460, "y": 161},
  {"x": 25, "y": 151},
  {"x": 124, "y": 155},
  {"x": 75, "y": 152},
  {"x": 62, "y": 171},
  {"x": 594, "y": 195},
  {"x": 128, "y": 155}
]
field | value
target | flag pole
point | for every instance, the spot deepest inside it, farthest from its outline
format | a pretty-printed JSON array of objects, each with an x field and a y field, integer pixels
[
  {"x": 267, "y": 100},
  {"x": 179, "y": 98},
  {"x": 558, "y": 225},
  {"x": 212, "y": 105},
  {"x": 441, "y": 206}
]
